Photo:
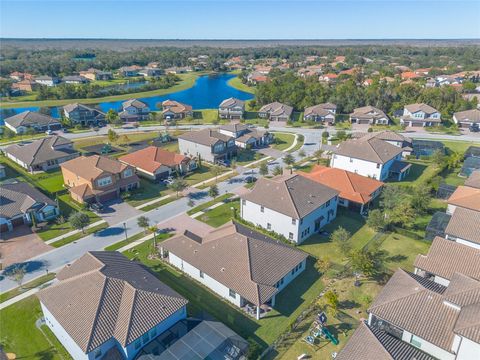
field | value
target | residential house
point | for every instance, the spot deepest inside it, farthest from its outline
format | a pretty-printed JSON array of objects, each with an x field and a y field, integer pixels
[
  {"x": 369, "y": 115},
  {"x": 239, "y": 264},
  {"x": 22, "y": 204},
  {"x": 25, "y": 85},
  {"x": 356, "y": 191},
  {"x": 47, "y": 80},
  {"x": 178, "y": 70},
  {"x": 420, "y": 115},
  {"x": 19, "y": 123},
  {"x": 396, "y": 139},
  {"x": 464, "y": 226},
  {"x": 104, "y": 306},
  {"x": 232, "y": 109},
  {"x": 473, "y": 180},
  {"x": 19, "y": 76},
  {"x": 42, "y": 154},
  {"x": 150, "y": 72},
  {"x": 172, "y": 109},
  {"x": 129, "y": 71},
  {"x": 467, "y": 118},
  {"x": 95, "y": 74},
  {"x": 246, "y": 137},
  {"x": 97, "y": 178},
  {"x": 134, "y": 110},
  {"x": 328, "y": 78},
  {"x": 276, "y": 112},
  {"x": 464, "y": 197},
  {"x": 75, "y": 79},
  {"x": 290, "y": 205},
  {"x": 371, "y": 157},
  {"x": 78, "y": 114},
  {"x": 155, "y": 163},
  {"x": 321, "y": 113},
  {"x": 207, "y": 144},
  {"x": 256, "y": 78}
]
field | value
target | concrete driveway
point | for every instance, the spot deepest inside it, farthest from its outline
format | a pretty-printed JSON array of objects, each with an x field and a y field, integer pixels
[
  {"x": 21, "y": 244},
  {"x": 116, "y": 211},
  {"x": 183, "y": 222},
  {"x": 274, "y": 153}
]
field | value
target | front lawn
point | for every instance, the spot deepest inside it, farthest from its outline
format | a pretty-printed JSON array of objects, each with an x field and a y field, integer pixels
[
  {"x": 201, "y": 174},
  {"x": 148, "y": 191},
  {"x": 283, "y": 141},
  {"x": 221, "y": 214},
  {"x": 208, "y": 204},
  {"x": 246, "y": 156}
]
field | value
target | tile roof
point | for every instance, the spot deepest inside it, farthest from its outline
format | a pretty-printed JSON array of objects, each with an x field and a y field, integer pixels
[
  {"x": 413, "y": 108},
  {"x": 468, "y": 115},
  {"x": 368, "y": 112},
  {"x": 175, "y": 106},
  {"x": 205, "y": 137},
  {"x": 242, "y": 259},
  {"x": 320, "y": 109},
  {"x": 369, "y": 149},
  {"x": 465, "y": 224},
  {"x": 292, "y": 195},
  {"x": 473, "y": 180},
  {"x": 466, "y": 197},
  {"x": 234, "y": 127},
  {"x": 152, "y": 158},
  {"x": 28, "y": 118},
  {"x": 103, "y": 295},
  {"x": 386, "y": 135},
  {"x": 90, "y": 167},
  {"x": 135, "y": 103},
  {"x": 232, "y": 102},
  {"x": 42, "y": 150},
  {"x": 353, "y": 187},
  {"x": 18, "y": 198},
  {"x": 446, "y": 257},
  {"x": 71, "y": 107},
  {"x": 277, "y": 109}
]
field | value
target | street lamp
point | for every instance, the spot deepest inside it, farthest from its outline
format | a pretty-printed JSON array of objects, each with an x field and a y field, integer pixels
[{"x": 125, "y": 228}]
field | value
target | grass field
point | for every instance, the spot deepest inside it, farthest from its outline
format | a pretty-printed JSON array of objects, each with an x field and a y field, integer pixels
[
  {"x": 208, "y": 204},
  {"x": 221, "y": 214},
  {"x": 25, "y": 287},
  {"x": 236, "y": 83},
  {"x": 283, "y": 141}
]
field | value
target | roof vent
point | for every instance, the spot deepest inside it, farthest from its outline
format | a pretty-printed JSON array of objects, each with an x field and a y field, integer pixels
[
  {"x": 195, "y": 251},
  {"x": 222, "y": 269}
]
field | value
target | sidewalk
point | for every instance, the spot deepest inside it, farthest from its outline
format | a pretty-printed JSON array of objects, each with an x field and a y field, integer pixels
[
  {"x": 61, "y": 237},
  {"x": 24, "y": 295}
]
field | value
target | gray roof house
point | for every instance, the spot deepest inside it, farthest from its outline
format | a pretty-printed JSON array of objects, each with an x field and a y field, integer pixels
[
  {"x": 467, "y": 118},
  {"x": 276, "y": 112},
  {"x": 43, "y": 154},
  {"x": 241, "y": 265},
  {"x": 22, "y": 204},
  {"x": 207, "y": 144},
  {"x": 421, "y": 114},
  {"x": 231, "y": 108},
  {"x": 104, "y": 304},
  {"x": 321, "y": 112},
  {"x": 134, "y": 110},
  {"x": 246, "y": 137},
  {"x": 83, "y": 115},
  {"x": 19, "y": 123},
  {"x": 391, "y": 137},
  {"x": 75, "y": 79},
  {"x": 369, "y": 115}
]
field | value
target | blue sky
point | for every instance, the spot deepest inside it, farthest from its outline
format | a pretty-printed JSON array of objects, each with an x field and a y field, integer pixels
[{"x": 228, "y": 19}]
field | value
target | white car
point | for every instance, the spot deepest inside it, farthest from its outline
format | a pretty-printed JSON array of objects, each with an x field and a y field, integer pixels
[
  {"x": 49, "y": 132},
  {"x": 168, "y": 181}
]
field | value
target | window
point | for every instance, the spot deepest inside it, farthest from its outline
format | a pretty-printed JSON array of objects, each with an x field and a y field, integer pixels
[
  {"x": 301, "y": 221},
  {"x": 262, "y": 209},
  {"x": 97, "y": 353},
  {"x": 351, "y": 160},
  {"x": 269, "y": 226},
  {"x": 232, "y": 293},
  {"x": 290, "y": 236},
  {"x": 293, "y": 271},
  {"x": 137, "y": 344},
  {"x": 202, "y": 274},
  {"x": 127, "y": 173},
  {"x": 378, "y": 166},
  {"x": 104, "y": 181},
  {"x": 294, "y": 222}
]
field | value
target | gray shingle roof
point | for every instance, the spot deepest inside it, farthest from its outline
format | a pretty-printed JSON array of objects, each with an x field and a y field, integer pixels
[
  {"x": 292, "y": 195},
  {"x": 18, "y": 198},
  {"x": 368, "y": 112},
  {"x": 70, "y": 107},
  {"x": 205, "y": 137},
  {"x": 277, "y": 109},
  {"x": 468, "y": 115},
  {"x": 427, "y": 109},
  {"x": 28, "y": 118},
  {"x": 370, "y": 149},
  {"x": 135, "y": 103},
  {"x": 320, "y": 109},
  {"x": 103, "y": 295},
  {"x": 231, "y": 102}
]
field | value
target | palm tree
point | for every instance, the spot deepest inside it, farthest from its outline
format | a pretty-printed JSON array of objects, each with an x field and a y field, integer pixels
[{"x": 289, "y": 160}]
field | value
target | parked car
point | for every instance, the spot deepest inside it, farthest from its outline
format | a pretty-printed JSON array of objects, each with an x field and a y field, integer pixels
[
  {"x": 250, "y": 179},
  {"x": 49, "y": 132},
  {"x": 168, "y": 181},
  {"x": 96, "y": 207},
  {"x": 474, "y": 128},
  {"x": 225, "y": 163}
]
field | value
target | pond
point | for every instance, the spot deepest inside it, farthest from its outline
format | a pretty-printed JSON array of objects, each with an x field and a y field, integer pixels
[{"x": 207, "y": 93}]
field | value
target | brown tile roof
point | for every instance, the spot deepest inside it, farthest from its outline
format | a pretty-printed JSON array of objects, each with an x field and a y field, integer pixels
[
  {"x": 205, "y": 137},
  {"x": 466, "y": 197},
  {"x": 135, "y": 103},
  {"x": 103, "y": 295},
  {"x": 446, "y": 257},
  {"x": 277, "y": 109},
  {"x": 175, "y": 106},
  {"x": 370, "y": 149},
  {"x": 413, "y": 108},
  {"x": 320, "y": 109},
  {"x": 465, "y": 224},
  {"x": 151, "y": 158},
  {"x": 473, "y": 180},
  {"x": 291, "y": 195},
  {"x": 92, "y": 166},
  {"x": 244, "y": 260},
  {"x": 368, "y": 112},
  {"x": 231, "y": 102},
  {"x": 351, "y": 186}
]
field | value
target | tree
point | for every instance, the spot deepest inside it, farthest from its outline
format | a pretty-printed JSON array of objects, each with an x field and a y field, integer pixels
[
  {"x": 323, "y": 264},
  {"x": 277, "y": 170},
  {"x": 17, "y": 273},
  {"x": 143, "y": 222},
  {"x": 454, "y": 160},
  {"x": 152, "y": 116},
  {"x": 301, "y": 153},
  {"x": 369, "y": 263},
  {"x": 332, "y": 300},
  {"x": 178, "y": 185},
  {"x": 421, "y": 199},
  {"x": 289, "y": 160},
  {"x": 216, "y": 170},
  {"x": 341, "y": 239},
  {"x": 112, "y": 136},
  {"x": 391, "y": 197},
  {"x": 213, "y": 191},
  {"x": 438, "y": 157},
  {"x": 376, "y": 220},
  {"x": 263, "y": 170},
  {"x": 318, "y": 154},
  {"x": 111, "y": 116},
  {"x": 153, "y": 229},
  {"x": 8, "y": 133},
  {"x": 79, "y": 220},
  {"x": 341, "y": 134}
]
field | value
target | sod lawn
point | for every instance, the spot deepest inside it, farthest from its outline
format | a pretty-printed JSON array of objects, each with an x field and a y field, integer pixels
[
  {"x": 221, "y": 214},
  {"x": 283, "y": 141}
]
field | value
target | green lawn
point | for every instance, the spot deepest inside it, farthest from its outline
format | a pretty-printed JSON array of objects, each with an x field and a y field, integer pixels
[
  {"x": 236, "y": 83},
  {"x": 246, "y": 156},
  {"x": 209, "y": 203},
  {"x": 283, "y": 141},
  {"x": 25, "y": 287},
  {"x": 129, "y": 240},
  {"x": 79, "y": 235},
  {"x": 19, "y": 334},
  {"x": 148, "y": 191},
  {"x": 221, "y": 214},
  {"x": 402, "y": 251},
  {"x": 201, "y": 174}
]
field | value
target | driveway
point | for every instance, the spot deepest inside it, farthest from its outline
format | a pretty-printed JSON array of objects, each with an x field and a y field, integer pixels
[
  {"x": 20, "y": 245},
  {"x": 183, "y": 222},
  {"x": 116, "y": 211},
  {"x": 274, "y": 153}
]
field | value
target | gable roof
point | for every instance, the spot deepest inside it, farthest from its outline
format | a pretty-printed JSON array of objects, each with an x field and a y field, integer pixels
[
  {"x": 205, "y": 137},
  {"x": 468, "y": 115},
  {"x": 277, "y": 109},
  {"x": 135, "y": 103},
  {"x": 234, "y": 127},
  {"x": 28, "y": 118},
  {"x": 466, "y": 197},
  {"x": 320, "y": 109},
  {"x": 368, "y": 112},
  {"x": 352, "y": 186},
  {"x": 446, "y": 257},
  {"x": 427, "y": 109},
  {"x": 369, "y": 149},
  {"x": 465, "y": 224},
  {"x": 151, "y": 158},
  {"x": 103, "y": 295},
  {"x": 90, "y": 167},
  {"x": 42, "y": 150},
  {"x": 71, "y": 107},
  {"x": 386, "y": 135},
  {"x": 18, "y": 198},
  {"x": 175, "y": 106},
  {"x": 242, "y": 259},
  {"x": 231, "y": 102}
]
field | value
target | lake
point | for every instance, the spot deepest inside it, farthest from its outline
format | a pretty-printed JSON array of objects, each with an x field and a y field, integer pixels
[{"x": 207, "y": 93}]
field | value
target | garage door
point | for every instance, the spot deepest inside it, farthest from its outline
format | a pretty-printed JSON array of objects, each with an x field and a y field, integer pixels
[
  {"x": 365, "y": 122},
  {"x": 107, "y": 197},
  {"x": 417, "y": 124}
]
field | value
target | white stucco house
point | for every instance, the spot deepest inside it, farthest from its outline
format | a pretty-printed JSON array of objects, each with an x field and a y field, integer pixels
[
  {"x": 246, "y": 137},
  {"x": 207, "y": 144},
  {"x": 291, "y": 205},
  {"x": 134, "y": 110},
  {"x": 420, "y": 115},
  {"x": 106, "y": 306},
  {"x": 369, "y": 115}
]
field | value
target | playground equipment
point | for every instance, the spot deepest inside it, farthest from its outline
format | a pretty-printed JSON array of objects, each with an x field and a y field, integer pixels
[{"x": 319, "y": 330}]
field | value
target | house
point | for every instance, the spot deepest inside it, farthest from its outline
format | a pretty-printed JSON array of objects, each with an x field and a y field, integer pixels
[
  {"x": 369, "y": 115},
  {"x": 371, "y": 157},
  {"x": 445, "y": 258},
  {"x": 75, "y": 79},
  {"x": 256, "y": 77},
  {"x": 47, "y": 80},
  {"x": 356, "y": 191},
  {"x": 172, "y": 109},
  {"x": 25, "y": 85},
  {"x": 22, "y": 204},
  {"x": 129, "y": 71},
  {"x": 321, "y": 112},
  {"x": 464, "y": 226},
  {"x": 292, "y": 205},
  {"x": 440, "y": 321},
  {"x": 420, "y": 115},
  {"x": 19, "y": 123},
  {"x": 396, "y": 139},
  {"x": 467, "y": 118},
  {"x": 232, "y": 109},
  {"x": 95, "y": 74},
  {"x": 134, "y": 110},
  {"x": 246, "y": 137},
  {"x": 42, "y": 154},
  {"x": 78, "y": 114},
  {"x": 155, "y": 163},
  {"x": 473, "y": 180},
  {"x": 19, "y": 76},
  {"x": 464, "y": 197},
  {"x": 97, "y": 178},
  {"x": 239, "y": 264},
  {"x": 207, "y": 144},
  {"x": 104, "y": 306},
  {"x": 276, "y": 112},
  {"x": 328, "y": 78},
  {"x": 150, "y": 72}
]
